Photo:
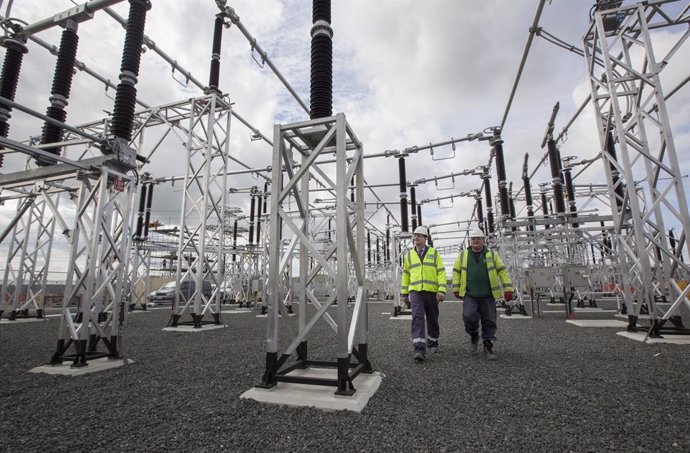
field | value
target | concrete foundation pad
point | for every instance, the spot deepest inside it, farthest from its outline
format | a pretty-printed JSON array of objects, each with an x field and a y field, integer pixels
[
  {"x": 93, "y": 366},
  {"x": 593, "y": 310},
  {"x": 204, "y": 328},
  {"x": 669, "y": 339},
  {"x": 402, "y": 317},
  {"x": 239, "y": 311},
  {"x": 23, "y": 320},
  {"x": 136, "y": 312},
  {"x": 597, "y": 323},
  {"x": 318, "y": 396},
  {"x": 515, "y": 316}
]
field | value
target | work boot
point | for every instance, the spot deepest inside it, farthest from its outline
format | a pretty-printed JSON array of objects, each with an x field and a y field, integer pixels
[
  {"x": 489, "y": 350},
  {"x": 474, "y": 344},
  {"x": 434, "y": 349},
  {"x": 419, "y": 357}
]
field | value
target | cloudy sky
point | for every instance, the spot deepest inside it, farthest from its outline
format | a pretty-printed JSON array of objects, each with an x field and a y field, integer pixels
[{"x": 406, "y": 73}]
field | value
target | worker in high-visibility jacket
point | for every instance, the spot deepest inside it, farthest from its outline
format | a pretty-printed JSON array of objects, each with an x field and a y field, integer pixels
[
  {"x": 476, "y": 276},
  {"x": 424, "y": 285}
]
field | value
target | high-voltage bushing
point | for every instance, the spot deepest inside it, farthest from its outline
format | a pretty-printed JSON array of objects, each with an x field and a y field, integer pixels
[
  {"x": 570, "y": 189},
  {"x": 413, "y": 206},
  {"x": 528, "y": 193},
  {"x": 60, "y": 91},
  {"x": 556, "y": 181},
  {"x": 260, "y": 211},
  {"x": 144, "y": 211},
  {"x": 486, "y": 180},
  {"x": 321, "y": 100},
  {"x": 11, "y": 67},
  {"x": 480, "y": 210},
  {"x": 403, "y": 193},
  {"x": 378, "y": 250},
  {"x": 544, "y": 203},
  {"x": 147, "y": 210},
  {"x": 496, "y": 143},
  {"x": 214, "y": 72},
  {"x": 252, "y": 208},
  {"x": 419, "y": 213},
  {"x": 234, "y": 241},
  {"x": 368, "y": 246},
  {"x": 387, "y": 255},
  {"x": 618, "y": 187},
  {"x": 678, "y": 252},
  {"x": 126, "y": 95},
  {"x": 511, "y": 201}
]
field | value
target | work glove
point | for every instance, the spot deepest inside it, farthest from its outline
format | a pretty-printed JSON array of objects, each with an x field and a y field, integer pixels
[
  {"x": 457, "y": 295},
  {"x": 508, "y": 296},
  {"x": 440, "y": 297}
]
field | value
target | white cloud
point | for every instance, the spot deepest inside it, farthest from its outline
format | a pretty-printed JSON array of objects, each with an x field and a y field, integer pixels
[{"x": 407, "y": 73}]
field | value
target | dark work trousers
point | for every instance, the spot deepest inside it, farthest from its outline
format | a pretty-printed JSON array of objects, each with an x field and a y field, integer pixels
[
  {"x": 424, "y": 303},
  {"x": 475, "y": 309}
]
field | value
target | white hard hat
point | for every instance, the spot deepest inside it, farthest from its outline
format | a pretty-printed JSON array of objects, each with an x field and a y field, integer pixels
[
  {"x": 421, "y": 230},
  {"x": 476, "y": 233}
]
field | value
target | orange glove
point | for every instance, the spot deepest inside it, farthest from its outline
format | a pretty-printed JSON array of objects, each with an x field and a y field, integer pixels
[
  {"x": 457, "y": 294},
  {"x": 508, "y": 296}
]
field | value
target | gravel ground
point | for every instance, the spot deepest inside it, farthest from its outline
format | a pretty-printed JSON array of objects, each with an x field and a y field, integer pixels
[{"x": 555, "y": 388}]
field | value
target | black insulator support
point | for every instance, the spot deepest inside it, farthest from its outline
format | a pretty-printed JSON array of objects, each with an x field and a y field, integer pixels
[
  {"x": 321, "y": 100},
  {"x": 497, "y": 143},
  {"x": 64, "y": 66},
  {"x": 329, "y": 229},
  {"x": 140, "y": 212},
  {"x": 605, "y": 239},
  {"x": 147, "y": 217},
  {"x": 265, "y": 208},
  {"x": 60, "y": 91},
  {"x": 480, "y": 213},
  {"x": 673, "y": 243},
  {"x": 403, "y": 195},
  {"x": 251, "y": 219},
  {"x": 214, "y": 74},
  {"x": 352, "y": 190},
  {"x": 618, "y": 187},
  {"x": 570, "y": 190},
  {"x": 388, "y": 245},
  {"x": 126, "y": 94},
  {"x": 511, "y": 202},
  {"x": 557, "y": 183},
  {"x": 378, "y": 251},
  {"x": 321, "y": 10},
  {"x": 413, "y": 207},
  {"x": 234, "y": 240},
  {"x": 545, "y": 207},
  {"x": 419, "y": 214},
  {"x": 11, "y": 67},
  {"x": 594, "y": 259},
  {"x": 489, "y": 203},
  {"x": 368, "y": 247},
  {"x": 258, "y": 224}
]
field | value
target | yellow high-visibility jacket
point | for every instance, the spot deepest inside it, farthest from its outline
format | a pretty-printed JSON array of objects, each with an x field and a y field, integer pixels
[
  {"x": 496, "y": 269},
  {"x": 423, "y": 275}
]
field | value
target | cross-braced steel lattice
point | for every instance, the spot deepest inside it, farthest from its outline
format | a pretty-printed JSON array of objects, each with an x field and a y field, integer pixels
[
  {"x": 202, "y": 220},
  {"x": 307, "y": 141},
  {"x": 631, "y": 110}
]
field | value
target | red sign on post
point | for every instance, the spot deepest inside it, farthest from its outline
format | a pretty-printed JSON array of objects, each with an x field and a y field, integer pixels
[{"x": 118, "y": 185}]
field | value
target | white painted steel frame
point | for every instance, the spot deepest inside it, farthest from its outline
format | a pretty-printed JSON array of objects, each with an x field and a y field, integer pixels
[
  {"x": 311, "y": 139},
  {"x": 629, "y": 101},
  {"x": 202, "y": 220}
]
